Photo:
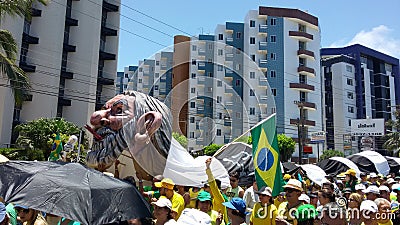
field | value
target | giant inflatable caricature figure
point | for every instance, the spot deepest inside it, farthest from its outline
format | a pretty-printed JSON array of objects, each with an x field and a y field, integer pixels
[{"x": 135, "y": 122}]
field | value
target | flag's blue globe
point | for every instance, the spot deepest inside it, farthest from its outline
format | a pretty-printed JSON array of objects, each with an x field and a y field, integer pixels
[{"x": 265, "y": 159}]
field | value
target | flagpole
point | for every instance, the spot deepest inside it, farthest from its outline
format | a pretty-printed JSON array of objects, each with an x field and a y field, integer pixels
[{"x": 247, "y": 131}]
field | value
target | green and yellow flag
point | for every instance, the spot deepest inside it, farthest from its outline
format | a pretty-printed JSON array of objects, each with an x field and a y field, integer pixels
[
  {"x": 266, "y": 157},
  {"x": 57, "y": 148}
]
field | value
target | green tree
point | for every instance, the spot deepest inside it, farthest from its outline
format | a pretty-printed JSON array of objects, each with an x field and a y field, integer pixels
[
  {"x": 392, "y": 142},
  {"x": 330, "y": 153},
  {"x": 19, "y": 82},
  {"x": 286, "y": 147},
  {"x": 38, "y": 135},
  {"x": 211, "y": 149},
  {"x": 180, "y": 138}
]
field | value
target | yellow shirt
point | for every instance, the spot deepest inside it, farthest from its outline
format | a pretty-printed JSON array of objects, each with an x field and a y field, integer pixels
[
  {"x": 258, "y": 216},
  {"x": 193, "y": 198},
  {"x": 178, "y": 203},
  {"x": 283, "y": 211},
  {"x": 387, "y": 223},
  {"x": 214, "y": 215},
  {"x": 218, "y": 199},
  {"x": 277, "y": 202}
]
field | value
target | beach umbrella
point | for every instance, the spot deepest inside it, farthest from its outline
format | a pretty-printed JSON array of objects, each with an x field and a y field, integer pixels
[
  {"x": 337, "y": 165},
  {"x": 370, "y": 161}
]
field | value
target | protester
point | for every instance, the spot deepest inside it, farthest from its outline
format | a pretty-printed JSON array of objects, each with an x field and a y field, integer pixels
[
  {"x": 314, "y": 199},
  {"x": 264, "y": 212},
  {"x": 333, "y": 214},
  {"x": 359, "y": 189},
  {"x": 304, "y": 198},
  {"x": 204, "y": 204},
  {"x": 140, "y": 221},
  {"x": 236, "y": 211},
  {"x": 368, "y": 210},
  {"x": 372, "y": 192},
  {"x": 373, "y": 179},
  {"x": 364, "y": 180},
  {"x": 354, "y": 209},
  {"x": 29, "y": 216},
  {"x": 384, "y": 211},
  {"x": 325, "y": 196},
  {"x": 166, "y": 187},
  {"x": 235, "y": 190},
  {"x": 193, "y": 193},
  {"x": 184, "y": 191},
  {"x": 384, "y": 192},
  {"x": 12, "y": 214},
  {"x": 293, "y": 191},
  {"x": 163, "y": 212},
  {"x": 351, "y": 179},
  {"x": 279, "y": 199},
  {"x": 250, "y": 198},
  {"x": 306, "y": 215}
]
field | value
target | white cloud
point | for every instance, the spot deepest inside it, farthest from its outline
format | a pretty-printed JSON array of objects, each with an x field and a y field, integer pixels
[{"x": 379, "y": 38}]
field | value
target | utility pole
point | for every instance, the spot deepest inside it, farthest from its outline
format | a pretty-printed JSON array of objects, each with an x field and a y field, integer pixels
[{"x": 300, "y": 130}]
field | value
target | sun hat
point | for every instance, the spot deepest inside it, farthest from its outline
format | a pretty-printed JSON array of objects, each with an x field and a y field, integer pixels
[
  {"x": 351, "y": 172},
  {"x": 2, "y": 212},
  {"x": 384, "y": 188},
  {"x": 306, "y": 212},
  {"x": 237, "y": 204},
  {"x": 265, "y": 191},
  {"x": 372, "y": 189},
  {"x": 304, "y": 197},
  {"x": 294, "y": 184},
  {"x": 369, "y": 205},
  {"x": 360, "y": 187},
  {"x": 163, "y": 202},
  {"x": 373, "y": 175},
  {"x": 165, "y": 183},
  {"x": 391, "y": 181},
  {"x": 193, "y": 217},
  {"x": 204, "y": 196}
]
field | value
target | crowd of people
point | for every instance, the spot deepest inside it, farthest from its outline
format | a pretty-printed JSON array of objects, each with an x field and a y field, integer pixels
[{"x": 370, "y": 199}]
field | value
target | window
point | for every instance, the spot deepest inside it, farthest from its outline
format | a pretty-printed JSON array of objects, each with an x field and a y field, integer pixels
[
  {"x": 210, "y": 74},
  {"x": 238, "y": 115},
  {"x": 157, "y": 63},
  {"x": 156, "y": 87},
  {"x": 156, "y": 74},
  {"x": 209, "y": 89},
  {"x": 273, "y": 56},
  {"x": 191, "y": 119},
  {"x": 220, "y": 116},
  {"x": 193, "y": 76},
  {"x": 238, "y": 35},
  {"x": 303, "y": 96},
  {"x": 192, "y": 105},
  {"x": 273, "y": 38},
  {"x": 219, "y": 83},
  {"x": 219, "y": 99},
  {"x": 273, "y": 110},
  {"x": 140, "y": 80},
  {"x": 350, "y": 81},
  {"x": 302, "y": 28},
  {"x": 349, "y": 68},
  {"x": 252, "y": 75},
  {"x": 238, "y": 66},
  {"x": 210, "y": 46},
  {"x": 273, "y": 90},
  {"x": 191, "y": 135},
  {"x": 218, "y": 132},
  {"x": 350, "y": 109},
  {"x": 253, "y": 57},
  {"x": 193, "y": 90},
  {"x": 350, "y": 95},
  {"x": 252, "y": 111},
  {"x": 220, "y": 68},
  {"x": 126, "y": 75},
  {"x": 349, "y": 122},
  {"x": 210, "y": 60},
  {"x": 252, "y": 40},
  {"x": 302, "y": 62},
  {"x": 237, "y": 83},
  {"x": 302, "y": 45},
  {"x": 140, "y": 69},
  {"x": 193, "y": 62},
  {"x": 220, "y": 52},
  {"x": 273, "y": 21},
  {"x": 252, "y": 23},
  {"x": 273, "y": 73},
  {"x": 252, "y": 92},
  {"x": 194, "y": 48},
  {"x": 220, "y": 36}
]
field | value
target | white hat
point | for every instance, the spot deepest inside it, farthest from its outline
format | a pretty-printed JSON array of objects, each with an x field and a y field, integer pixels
[
  {"x": 369, "y": 206},
  {"x": 294, "y": 184},
  {"x": 339, "y": 182},
  {"x": 265, "y": 191},
  {"x": 373, "y": 175},
  {"x": 391, "y": 181},
  {"x": 304, "y": 197},
  {"x": 372, "y": 189},
  {"x": 193, "y": 217},
  {"x": 163, "y": 202},
  {"x": 384, "y": 188},
  {"x": 360, "y": 187},
  {"x": 395, "y": 186}
]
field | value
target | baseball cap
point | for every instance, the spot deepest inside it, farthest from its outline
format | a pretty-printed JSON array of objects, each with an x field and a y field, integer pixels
[
  {"x": 372, "y": 189},
  {"x": 163, "y": 202},
  {"x": 369, "y": 205},
  {"x": 351, "y": 172},
  {"x": 360, "y": 187},
  {"x": 165, "y": 183},
  {"x": 193, "y": 217},
  {"x": 384, "y": 188},
  {"x": 2, "y": 212},
  {"x": 204, "y": 196},
  {"x": 305, "y": 212},
  {"x": 237, "y": 204},
  {"x": 265, "y": 191},
  {"x": 363, "y": 174},
  {"x": 304, "y": 197},
  {"x": 373, "y": 175}
]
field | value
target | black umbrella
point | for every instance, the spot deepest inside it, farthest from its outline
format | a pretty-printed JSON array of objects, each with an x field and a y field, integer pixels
[{"x": 71, "y": 190}]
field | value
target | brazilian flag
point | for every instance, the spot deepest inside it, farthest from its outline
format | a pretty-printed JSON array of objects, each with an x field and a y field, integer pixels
[
  {"x": 266, "y": 157},
  {"x": 57, "y": 148}
]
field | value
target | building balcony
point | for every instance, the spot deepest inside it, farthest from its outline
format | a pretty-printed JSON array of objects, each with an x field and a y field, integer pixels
[
  {"x": 69, "y": 48},
  {"x": 29, "y": 39},
  {"x": 108, "y": 31},
  {"x": 262, "y": 64},
  {"x": 201, "y": 66},
  {"x": 71, "y": 22},
  {"x": 107, "y": 56},
  {"x": 109, "y": 7},
  {"x": 302, "y": 36},
  {"x": 262, "y": 100},
  {"x": 307, "y": 123},
  {"x": 262, "y": 46},
  {"x": 305, "y": 53},
  {"x": 229, "y": 56},
  {"x": 64, "y": 101},
  {"x": 229, "y": 39},
  {"x": 67, "y": 75},
  {"x": 105, "y": 81},
  {"x": 36, "y": 12},
  {"x": 229, "y": 90},
  {"x": 307, "y": 105},
  {"x": 26, "y": 67},
  {"x": 304, "y": 70},
  {"x": 262, "y": 29},
  {"x": 302, "y": 87},
  {"x": 227, "y": 138},
  {"x": 263, "y": 81}
]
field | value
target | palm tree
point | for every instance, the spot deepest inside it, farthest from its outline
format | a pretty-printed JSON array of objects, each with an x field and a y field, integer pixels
[
  {"x": 393, "y": 137},
  {"x": 8, "y": 47}
]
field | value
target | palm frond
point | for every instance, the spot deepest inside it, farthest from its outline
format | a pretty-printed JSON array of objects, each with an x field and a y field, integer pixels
[
  {"x": 18, "y": 7},
  {"x": 8, "y": 44}
]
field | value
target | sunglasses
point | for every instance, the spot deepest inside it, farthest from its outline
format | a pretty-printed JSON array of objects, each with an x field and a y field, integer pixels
[{"x": 22, "y": 210}]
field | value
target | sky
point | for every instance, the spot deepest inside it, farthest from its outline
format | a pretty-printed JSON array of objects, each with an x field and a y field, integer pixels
[{"x": 147, "y": 27}]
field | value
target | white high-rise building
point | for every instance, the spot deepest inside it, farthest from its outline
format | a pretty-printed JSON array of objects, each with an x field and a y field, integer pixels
[{"x": 69, "y": 51}]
